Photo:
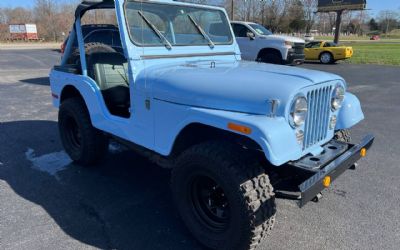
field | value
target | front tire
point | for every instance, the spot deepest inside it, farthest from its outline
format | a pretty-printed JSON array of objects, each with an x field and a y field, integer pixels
[
  {"x": 225, "y": 199},
  {"x": 85, "y": 144},
  {"x": 271, "y": 57}
]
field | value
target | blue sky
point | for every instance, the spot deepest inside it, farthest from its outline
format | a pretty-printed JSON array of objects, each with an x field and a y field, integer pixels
[{"x": 374, "y": 5}]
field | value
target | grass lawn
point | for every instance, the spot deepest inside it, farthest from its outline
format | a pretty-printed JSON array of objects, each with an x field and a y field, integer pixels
[
  {"x": 375, "y": 53},
  {"x": 342, "y": 38}
]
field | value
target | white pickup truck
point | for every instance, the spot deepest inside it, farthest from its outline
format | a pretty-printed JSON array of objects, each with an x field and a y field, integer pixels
[{"x": 259, "y": 44}]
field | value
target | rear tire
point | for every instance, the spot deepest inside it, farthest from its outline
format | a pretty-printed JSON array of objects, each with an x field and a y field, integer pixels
[
  {"x": 225, "y": 198},
  {"x": 326, "y": 58},
  {"x": 85, "y": 144}
]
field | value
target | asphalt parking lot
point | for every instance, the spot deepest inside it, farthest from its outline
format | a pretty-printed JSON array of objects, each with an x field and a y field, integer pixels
[{"x": 48, "y": 203}]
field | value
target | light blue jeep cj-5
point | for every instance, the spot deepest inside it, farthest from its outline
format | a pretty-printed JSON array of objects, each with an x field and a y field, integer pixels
[{"x": 235, "y": 134}]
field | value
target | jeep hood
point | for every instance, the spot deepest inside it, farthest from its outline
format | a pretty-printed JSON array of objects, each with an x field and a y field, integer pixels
[{"x": 241, "y": 86}]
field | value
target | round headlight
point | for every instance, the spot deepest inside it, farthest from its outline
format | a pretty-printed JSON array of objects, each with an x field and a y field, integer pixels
[
  {"x": 337, "y": 98},
  {"x": 298, "y": 111}
]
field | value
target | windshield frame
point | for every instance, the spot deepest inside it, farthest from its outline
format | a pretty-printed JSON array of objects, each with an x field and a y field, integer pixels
[
  {"x": 231, "y": 42},
  {"x": 257, "y": 24}
]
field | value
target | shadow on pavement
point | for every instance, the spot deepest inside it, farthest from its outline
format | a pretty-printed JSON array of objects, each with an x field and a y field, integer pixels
[
  {"x": 318, "y": 62},
  {"x": 37, "y": 81},
  {"x": 124, "y": 203}
]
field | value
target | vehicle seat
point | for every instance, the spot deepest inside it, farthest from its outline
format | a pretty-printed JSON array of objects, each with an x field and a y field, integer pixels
[{"x": 110, "y": 71}]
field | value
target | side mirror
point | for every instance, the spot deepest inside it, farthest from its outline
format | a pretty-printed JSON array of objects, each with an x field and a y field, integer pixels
[{"x": 251, "y": 35}]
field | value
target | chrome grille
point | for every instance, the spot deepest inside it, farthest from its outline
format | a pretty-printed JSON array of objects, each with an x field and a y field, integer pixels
[{"x": 317, "y": 122}]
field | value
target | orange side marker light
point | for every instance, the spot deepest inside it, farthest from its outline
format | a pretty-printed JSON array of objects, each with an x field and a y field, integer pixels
[
  {"x": 239, "y": 128},
  {"x": 326, "y": 181},
  {"x": 363, "y": 152}
]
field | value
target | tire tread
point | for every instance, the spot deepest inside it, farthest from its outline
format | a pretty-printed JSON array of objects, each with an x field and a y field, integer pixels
[
  {"x": 95, "y": 142},
  {"x": 254, "y": 186}
]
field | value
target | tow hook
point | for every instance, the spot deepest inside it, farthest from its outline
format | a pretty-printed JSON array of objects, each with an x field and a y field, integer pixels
[{"x": 317, "y": 198}]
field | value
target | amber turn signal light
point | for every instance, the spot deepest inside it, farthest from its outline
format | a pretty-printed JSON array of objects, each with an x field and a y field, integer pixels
[
  {"x": 363, "y": 152},
  {"x": 239, "y": 128},
  {"x": 326, "y": 181}
]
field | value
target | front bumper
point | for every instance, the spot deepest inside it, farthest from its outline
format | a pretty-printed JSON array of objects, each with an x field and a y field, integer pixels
[
  {"x": 294, "y": 58},
  {"x": 312, "y": 186}
]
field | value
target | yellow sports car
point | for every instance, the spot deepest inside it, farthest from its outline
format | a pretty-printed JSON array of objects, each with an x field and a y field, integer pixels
[{"x": 327, "y": 52}]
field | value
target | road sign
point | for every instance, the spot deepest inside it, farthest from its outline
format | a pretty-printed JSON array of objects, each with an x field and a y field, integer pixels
[{"x": 336, "y": 5}]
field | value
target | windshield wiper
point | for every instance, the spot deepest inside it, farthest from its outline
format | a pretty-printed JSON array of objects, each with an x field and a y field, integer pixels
[
  {"x": 158, "y": 33},
  {"x": 210, "y": 42}
]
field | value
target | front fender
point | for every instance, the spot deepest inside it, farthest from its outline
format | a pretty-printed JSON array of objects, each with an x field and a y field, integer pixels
[
  {"x": 273, "y": 134},
  {"x": 350, "y": 114}
]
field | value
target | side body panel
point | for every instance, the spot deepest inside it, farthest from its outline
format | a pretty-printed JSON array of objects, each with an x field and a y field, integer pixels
[
  {"x": 250, "y": 48},
  {"x": 312, "y": 53},
  {"x": 339, "y": 53},
  {"x": 138, "y": 128}
]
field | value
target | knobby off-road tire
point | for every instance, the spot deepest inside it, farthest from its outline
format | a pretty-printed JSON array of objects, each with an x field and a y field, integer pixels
[
  {"x": 343, "y": 135},
  {"x": 219, "y": 174},
  {"x": 85, "y": 144},
  {"x": 90, "y": 48}
]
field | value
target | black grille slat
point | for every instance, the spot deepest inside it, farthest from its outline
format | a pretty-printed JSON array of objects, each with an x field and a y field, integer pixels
[
  {"x": 322, "y": 114},
  {"x": 299, "y": 48}
]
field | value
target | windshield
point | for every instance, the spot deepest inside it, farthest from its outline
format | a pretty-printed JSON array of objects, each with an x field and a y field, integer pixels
[
  {"x": 169, "y": 25},
  {"x": 260, "y": 29}
]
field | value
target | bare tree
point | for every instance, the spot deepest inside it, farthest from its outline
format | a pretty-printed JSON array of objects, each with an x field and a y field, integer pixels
[
  {"x": 17, "y": 15},
  {"x": 310, "y": 8},
  {"x": 275, "y": 14},
  {"x": 46, "y": 19},
  {"x": 3, "y": 18},
  {"x": 388, "y": 20}
]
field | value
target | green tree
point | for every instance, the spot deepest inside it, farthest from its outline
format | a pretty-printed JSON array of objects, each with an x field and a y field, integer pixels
[{"x": 373, "y": 25}]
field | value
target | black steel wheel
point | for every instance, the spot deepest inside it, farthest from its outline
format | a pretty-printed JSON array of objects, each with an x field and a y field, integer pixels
[
  {"x": 85, "y": 144},
  {"x": 72, "y": 133},
  {"x": 210, "y": 203},
  {"x": 223, "y": 196}
]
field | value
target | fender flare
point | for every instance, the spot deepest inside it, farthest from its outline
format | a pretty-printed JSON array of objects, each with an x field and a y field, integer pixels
[
  {"x": 86, "y": 87},
  {"x": 272, "y": 134},
  {"x": 350, "y": 114}
]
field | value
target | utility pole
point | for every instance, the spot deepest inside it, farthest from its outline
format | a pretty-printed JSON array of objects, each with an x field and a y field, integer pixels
[
  {"x": 232, "y": 9},
  {"x": 338, "y": 25}
]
